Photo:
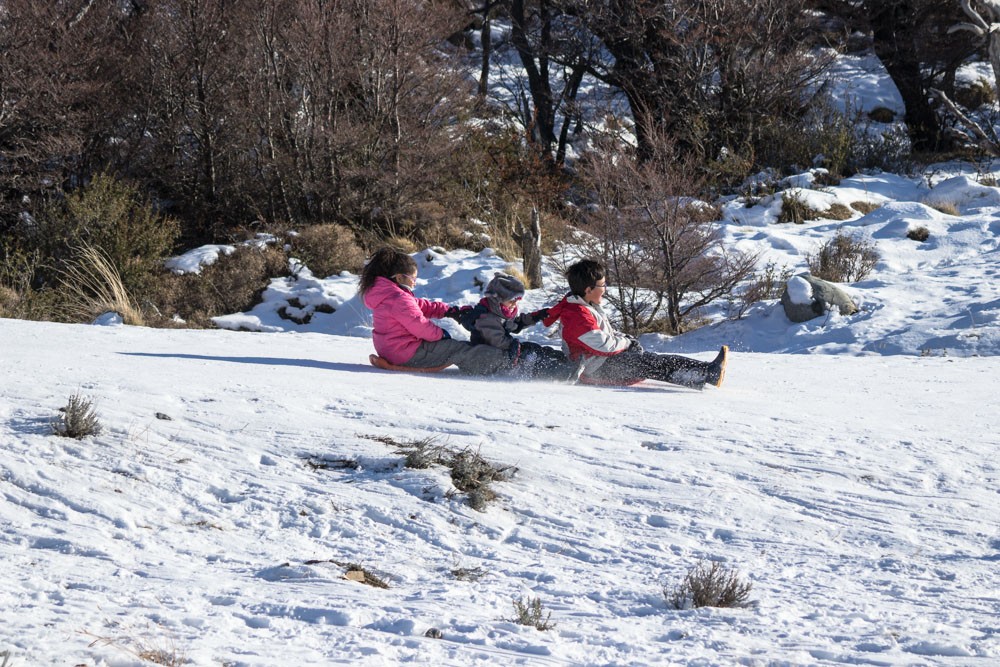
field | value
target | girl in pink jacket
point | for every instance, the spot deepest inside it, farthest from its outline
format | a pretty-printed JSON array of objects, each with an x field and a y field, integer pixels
[{"x": 402, "y": 329}]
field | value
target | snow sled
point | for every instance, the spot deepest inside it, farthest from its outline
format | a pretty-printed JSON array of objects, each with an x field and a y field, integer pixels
[
  {"x": 379, "y": 362},
  {"x": 610, "y": 383}
]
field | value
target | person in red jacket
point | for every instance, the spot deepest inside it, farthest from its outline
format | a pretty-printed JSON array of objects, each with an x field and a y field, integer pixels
[{"x": 609, "y": 356}]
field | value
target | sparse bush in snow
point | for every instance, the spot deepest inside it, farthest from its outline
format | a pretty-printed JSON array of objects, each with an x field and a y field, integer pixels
[
  {"x": 710, "y": 585},
  {"x": 470, "y": 472},
  {"x": 844, "y": 258},
  {"x": 78, "y": 419},
  {"x": 530, "y": 612}
]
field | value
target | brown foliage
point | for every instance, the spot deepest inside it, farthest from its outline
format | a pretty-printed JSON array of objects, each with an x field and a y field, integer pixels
[
  {"x": 232, "y": 284},
  {"x": 327, "y": 250},
  {"x": 664, "y": 254},
  {"x": 844, "y": 258},
  {"x": 708, "y": 73},
  {"x": 60, "y": 66}
]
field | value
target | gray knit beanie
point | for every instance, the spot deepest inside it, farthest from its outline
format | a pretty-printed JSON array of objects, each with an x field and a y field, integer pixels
[{"x": 504, "y": 287}]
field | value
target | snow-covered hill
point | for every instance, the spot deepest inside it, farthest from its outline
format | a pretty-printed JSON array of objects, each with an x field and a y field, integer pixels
[{"x": 240, "y": 475}]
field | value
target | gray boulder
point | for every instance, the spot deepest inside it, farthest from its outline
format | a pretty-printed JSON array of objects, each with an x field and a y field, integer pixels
[{"x": 806, "y": 297}]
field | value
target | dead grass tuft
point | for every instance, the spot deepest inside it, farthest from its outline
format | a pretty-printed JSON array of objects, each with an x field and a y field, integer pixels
[
  {"x": 94, "y": 287},
  {"x": 795, "y": 209},
  {"x": 865, "y": 207},
  {"x": 710, "y": 585},
  {"x": 946, "y": 207},
  {"x": 145, "y": 646},
  {"x": 838, "y": 212}
]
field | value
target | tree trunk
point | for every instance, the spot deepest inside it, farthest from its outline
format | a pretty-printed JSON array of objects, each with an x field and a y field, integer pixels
[
  {"x": 894, "y": 28},
  {"x": 486, "y": 39},
  {"x": 530, "y": 240}
]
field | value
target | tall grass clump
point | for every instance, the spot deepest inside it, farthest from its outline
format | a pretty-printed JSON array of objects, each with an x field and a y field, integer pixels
[{"x": 94, "y": 286}]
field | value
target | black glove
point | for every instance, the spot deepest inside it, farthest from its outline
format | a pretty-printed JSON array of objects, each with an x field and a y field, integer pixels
[
  {"x": 456, "y": 312},
  {"x": 540, "y": 314}
]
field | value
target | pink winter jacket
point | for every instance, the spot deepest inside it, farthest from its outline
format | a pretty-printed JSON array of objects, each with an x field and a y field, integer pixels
[{"x": 401, "y": 320}]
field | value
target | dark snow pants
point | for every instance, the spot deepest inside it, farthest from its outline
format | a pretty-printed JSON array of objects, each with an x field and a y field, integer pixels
[{"x": 628, "y": 367}]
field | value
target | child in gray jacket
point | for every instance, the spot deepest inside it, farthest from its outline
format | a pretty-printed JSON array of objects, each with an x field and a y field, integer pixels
[{"x": 495, "y": 318}]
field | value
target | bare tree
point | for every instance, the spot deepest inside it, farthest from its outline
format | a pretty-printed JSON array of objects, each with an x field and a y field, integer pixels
[
  {"x": 985, "y": 24},
  {"x": 350, "y": 106},
  {"x": 912, "y": 40},
  {"x": 187, "y": 68},
  {"x": 59, "y": 64},
  {"x": 664, "y": 252},
  {"x": 707, "y": 73},
  {"x": 555, "y": 51}
]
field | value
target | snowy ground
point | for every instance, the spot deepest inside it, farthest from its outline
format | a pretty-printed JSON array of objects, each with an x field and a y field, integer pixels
[{"x": 858, "y": 495}]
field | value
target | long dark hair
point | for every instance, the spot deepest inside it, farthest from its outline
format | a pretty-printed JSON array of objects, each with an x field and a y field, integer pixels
[{"x": 385, "y": 263}]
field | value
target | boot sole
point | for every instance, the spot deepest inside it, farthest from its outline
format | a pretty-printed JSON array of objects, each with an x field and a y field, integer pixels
[{"x": 724, "y": 353}]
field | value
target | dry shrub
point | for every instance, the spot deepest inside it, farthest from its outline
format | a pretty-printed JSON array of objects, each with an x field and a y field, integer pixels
[
  {"x": 471, "y": 474},
  {"x": 795, "y": 209},
  {"x": 838, "y": 212},
  {"x": 661, "y": 244},
  {"x": 844, "y": 258},
  {"x": 432, "y": 223},
  {"x": 882, "y": 115},
  {"x": 530, "y": 612},
  {"x": 468, "y": 573},
  {"x": 327, "y": 250},
  {"x": 402, "y": 244},
  {"x": 233, "y": 284},
  {"x": 920, "y": 234},
  {"x": 116, "y": 219},
  {"x": 18, "y": 267},
  {"x": 78, "y": 419},
  {"x": 709, "y": 585},
  {"x": 767, "y": 283},
  {"x": 9, "y": 301},
  {"x": 865, "y": 207},
  {"x": 424, "y": 453},
  {"x": 975, "y": 95}
]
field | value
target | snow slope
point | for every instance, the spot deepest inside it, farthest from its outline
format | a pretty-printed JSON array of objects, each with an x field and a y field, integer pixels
[{"x": 857, "y": 494}]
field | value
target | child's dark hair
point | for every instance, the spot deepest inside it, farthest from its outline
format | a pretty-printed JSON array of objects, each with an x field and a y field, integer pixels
[
  {"x": 584, "y": 274},
  {"x": 385, "y": 263}
]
